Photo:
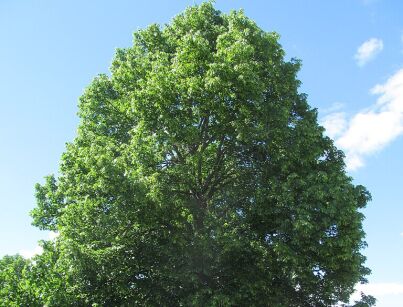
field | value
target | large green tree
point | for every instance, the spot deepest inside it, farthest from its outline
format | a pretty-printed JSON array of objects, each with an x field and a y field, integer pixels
[{"x": 199, "y": 176}]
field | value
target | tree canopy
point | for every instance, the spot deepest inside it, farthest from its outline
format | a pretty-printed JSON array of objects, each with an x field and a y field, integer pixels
[{"x": 199, "y": 176}]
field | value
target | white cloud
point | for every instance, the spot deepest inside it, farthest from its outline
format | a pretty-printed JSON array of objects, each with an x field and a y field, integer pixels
[
  {"x": 401, "y": 234},
  {"x": 335, "y": 124},
  {"x": 37, "y": 250},
  {"x": 386, "y": 294},
  {"x": 337, "y": 106},
  {"x": 377, "y": 290},
  {"x": 368, "y": 51},
  {"x": 401, "y": 40},
  {"x": 53, "y": 235},
  {"x": 29, "y": 253},
  {"x": 369, "y": 2},
  {"x": 371, "y": 129}
]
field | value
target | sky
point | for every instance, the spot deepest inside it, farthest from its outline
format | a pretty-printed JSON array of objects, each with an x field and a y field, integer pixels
[{"x": 352, "y": 55}]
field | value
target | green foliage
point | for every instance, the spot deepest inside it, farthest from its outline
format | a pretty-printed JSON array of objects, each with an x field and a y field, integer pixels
[
  {"x": 40, "y": 281},
  {"x": 366, "y": 300},
  {"x": 14, "y": 288},
  {"x": 199, "y": 177}
]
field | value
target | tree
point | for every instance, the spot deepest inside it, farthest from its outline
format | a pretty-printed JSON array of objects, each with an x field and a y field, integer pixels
[
  {"x": 200, "y": 177},
  {"x": 40, "y": 281},
  {"x": 14, "y": 291}
]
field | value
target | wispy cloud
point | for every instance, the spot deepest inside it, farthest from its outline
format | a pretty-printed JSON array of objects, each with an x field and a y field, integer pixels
[
  {"x": 377, "y": 290},
  {"x": 401, "y": 40},
  {"x": 53, "y": 235},
  {"x": 29, "y": 253},
  {"x": 369, "y": 2},
  {"x": 337, "y": 106},
  {"x": 37, "y": 250},
  {"x": 368, "y": 51},
  {"x": 371, "y": 129},
  {"x": 335, "y": 124}
]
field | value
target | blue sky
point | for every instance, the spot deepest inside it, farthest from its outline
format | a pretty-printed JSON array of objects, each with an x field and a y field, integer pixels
[{"x": 352, "y": 53}]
